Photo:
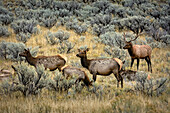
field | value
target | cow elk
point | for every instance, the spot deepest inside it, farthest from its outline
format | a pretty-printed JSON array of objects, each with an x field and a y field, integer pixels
[
  {"x": 138, "y": 52},
  {"x": 69, "y": 71},
  {"x": 105, "y": 66},
  {"x": 131, "y": 75},
  {"x": 51, "y": 62}
]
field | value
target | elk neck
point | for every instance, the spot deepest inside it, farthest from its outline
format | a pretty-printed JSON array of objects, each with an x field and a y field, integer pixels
[
  {"x": 30, "y": 59},
  {"x": 131, "y": 51},
  {"x": 85, "y": 62}
]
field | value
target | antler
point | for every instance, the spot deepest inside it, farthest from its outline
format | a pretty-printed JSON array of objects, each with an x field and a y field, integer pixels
[
  {"x": 136, "y": 37},
  {"x": 132, "y": 39},
  {"x": 124, "y": 36}
]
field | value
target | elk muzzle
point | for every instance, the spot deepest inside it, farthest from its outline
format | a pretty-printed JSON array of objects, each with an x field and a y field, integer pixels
[{"x": 78, "y": 55}]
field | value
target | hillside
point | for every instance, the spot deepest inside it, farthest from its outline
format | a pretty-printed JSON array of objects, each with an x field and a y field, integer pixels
[{"x": 51, "y": 27}]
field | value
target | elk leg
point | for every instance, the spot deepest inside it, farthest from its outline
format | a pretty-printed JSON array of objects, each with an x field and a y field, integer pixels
[
  {"x": 137, "y": 64},
  {"x": 94, "y": 77},
  {"x": 65, "y": 75},
  {"x": 150, "y": 64},
  {"x": 78, "y": 80},
  {"x": 121, "y": 81},
  {"x": 147, "y": 60},
  {"x": 132, "y": 60},
  {"x": 117, "y": 77}
]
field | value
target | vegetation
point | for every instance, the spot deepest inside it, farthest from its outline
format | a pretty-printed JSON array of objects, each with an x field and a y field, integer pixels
[{"x": 50, "y": 27}]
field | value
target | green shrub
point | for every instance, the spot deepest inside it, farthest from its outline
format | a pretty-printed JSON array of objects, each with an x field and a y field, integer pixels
[
  {"x": 11, "y": 50},
  {"x": 4, "y": 31},
  {"x": 30, "y": 81},
  {"x": 150, "y": 87},
  {"x": 57, "y": 37},
  {"x": 59, "y": 83}
]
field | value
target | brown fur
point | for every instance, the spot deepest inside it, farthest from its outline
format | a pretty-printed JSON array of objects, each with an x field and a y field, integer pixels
[
  {"x": 51, "y": 62},
  {"x": 119, "y": 62},
  {"x": 131, "y": 75},
  {"x": 139, "y": 52},
  {"x": 103, "y": 67},
  {"x": 82, "y": 76}
]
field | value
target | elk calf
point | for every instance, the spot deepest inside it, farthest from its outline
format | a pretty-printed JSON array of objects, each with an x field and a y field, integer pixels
[
  {"x": 139, "y": 52},
  {"x": 51, "y": 62},
  {"x": 70, "y": 71},
  {"x": 103, "y": 67}
]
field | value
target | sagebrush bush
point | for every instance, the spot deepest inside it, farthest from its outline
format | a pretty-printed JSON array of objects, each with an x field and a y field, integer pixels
[
  {"x": 24, "y": 29},
  {"x": 97, "y": 90},
  {"x": 59, "y": 83},
  {"x": 11, "y": 50},
  {"x": 102, "y": 24},
  {"x": 165, "y": 39},
  {"x": 136, "y": 24},
  {"x": 5, "y": 87},
  {"x": 66, "y": 47},
  {"x": 116, "y": 52},
  {"x": 57, "y": 37},
  {"x": 30, "y": 81},
  {"x": 150, "y": 87},
  {"x": 6, "y": 17},
  {"x": 112, "y": 39},
  {"x": 24, "y": 26},
  {"x": 4, "y": 31},
  {"x": 23, "y": 37},
  {"x": 78, "y": 28}
]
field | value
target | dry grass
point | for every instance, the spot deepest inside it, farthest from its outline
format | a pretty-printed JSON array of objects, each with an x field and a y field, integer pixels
[
  {"x": 124, "y": 102},
  {"x": 49, "y": 104}
]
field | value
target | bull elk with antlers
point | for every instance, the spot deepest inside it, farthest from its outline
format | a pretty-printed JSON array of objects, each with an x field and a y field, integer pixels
[{"x": 138, "y": 52}]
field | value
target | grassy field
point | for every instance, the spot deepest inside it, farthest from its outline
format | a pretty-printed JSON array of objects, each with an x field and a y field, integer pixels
[{"x": 115, "y": 100}]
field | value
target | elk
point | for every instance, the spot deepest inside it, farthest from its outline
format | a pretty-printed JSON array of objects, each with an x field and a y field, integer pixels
[
  {"x": 51, "y": 62},
  {"x": 82, "y": 76},
  {"x": 131, "y": 75},
  {"x": 103, "y": 66},
  {"x": 138, "y": 52},
  {"x": 4, "y": 74}
]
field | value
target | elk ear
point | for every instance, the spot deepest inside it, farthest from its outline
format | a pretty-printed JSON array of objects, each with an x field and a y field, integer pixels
[
  {"x": 78, "y": 50},
  {"x": 87, "y": 49},
  {"x": 25, "y": 50}
]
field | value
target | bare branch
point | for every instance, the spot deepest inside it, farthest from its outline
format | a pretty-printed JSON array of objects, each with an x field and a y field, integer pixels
[{"x": 124, "y": 36}]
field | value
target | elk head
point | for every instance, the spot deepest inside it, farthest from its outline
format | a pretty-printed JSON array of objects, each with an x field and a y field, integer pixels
[
  {"x": 25, "y": 53},
  {"x": 128, "y": 44},
  {"x": 82, "y": 53}
]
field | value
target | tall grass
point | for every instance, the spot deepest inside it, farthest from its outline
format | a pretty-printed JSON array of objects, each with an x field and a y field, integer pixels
[{"x": 51, "y": 102}]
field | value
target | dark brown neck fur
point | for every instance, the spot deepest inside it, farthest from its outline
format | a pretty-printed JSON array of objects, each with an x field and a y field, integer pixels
[
  {"x": 130, "y": 50},
  {"x": 31, "y": 60},
  {"x": 85, "y": 62}
]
